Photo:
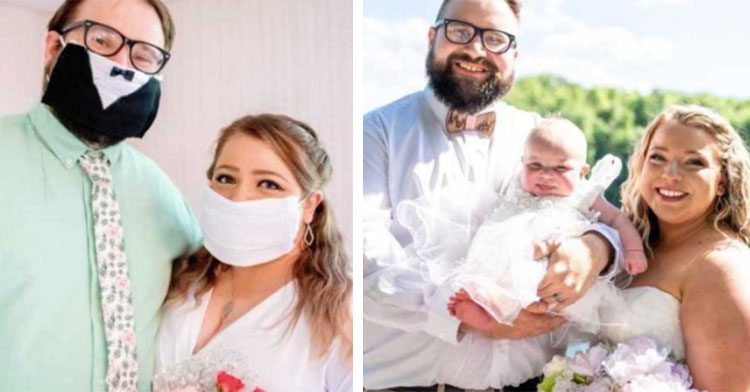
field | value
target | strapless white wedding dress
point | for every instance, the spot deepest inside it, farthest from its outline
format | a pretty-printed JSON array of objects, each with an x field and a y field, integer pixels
[{"x": 648, "y": 312}]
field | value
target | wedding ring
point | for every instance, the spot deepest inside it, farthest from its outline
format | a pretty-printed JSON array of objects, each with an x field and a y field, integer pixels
[{"x": 557, "y": 298}]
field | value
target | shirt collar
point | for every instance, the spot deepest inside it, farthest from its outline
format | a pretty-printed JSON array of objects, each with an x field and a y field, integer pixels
[
  {"x": 63, "y": 144},
  {"x": 441, "y": 110}
]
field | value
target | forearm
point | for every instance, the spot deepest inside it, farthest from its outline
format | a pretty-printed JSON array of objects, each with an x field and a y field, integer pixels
[
  {"x": 601, "y": 251},
  {"x": 526, "y": 325},
  {"x": 502, "y": 331},
  {"x": 613, "y": 217},
  {"x": 631, "y": 239}
]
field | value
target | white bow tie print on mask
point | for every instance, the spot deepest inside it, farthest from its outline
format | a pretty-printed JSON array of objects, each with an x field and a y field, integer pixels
[
  {"x": 101, "y": 95},
  {"x": 112, "y": 80},
  {"x": 250, "y": 232}
]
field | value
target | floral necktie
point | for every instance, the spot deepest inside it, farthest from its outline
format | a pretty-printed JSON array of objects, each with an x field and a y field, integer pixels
[{"x": 112, "y": 270}]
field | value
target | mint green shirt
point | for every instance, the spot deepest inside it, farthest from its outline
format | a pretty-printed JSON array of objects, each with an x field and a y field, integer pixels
[{"x": 51, "y": 328}]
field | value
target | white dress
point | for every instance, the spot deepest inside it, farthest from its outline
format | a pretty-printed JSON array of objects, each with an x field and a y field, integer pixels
[
  {"x": 496, "y": 264},
  {"x": 262, "y": 355},
  {"x": 648, "y": 312}
]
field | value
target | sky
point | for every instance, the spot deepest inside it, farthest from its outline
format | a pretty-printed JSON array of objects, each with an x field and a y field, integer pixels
[{"x": 688, "y": 46}]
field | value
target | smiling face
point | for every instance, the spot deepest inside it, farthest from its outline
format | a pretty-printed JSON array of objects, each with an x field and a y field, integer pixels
[
  {"x": 682, "y": 174},
  {"x": 468, "y": 77}
]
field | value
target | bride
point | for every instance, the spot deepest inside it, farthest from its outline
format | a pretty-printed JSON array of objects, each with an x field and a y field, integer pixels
[
  {"x": 688, "y": 193},
  {"x": 269, "y": 295}
]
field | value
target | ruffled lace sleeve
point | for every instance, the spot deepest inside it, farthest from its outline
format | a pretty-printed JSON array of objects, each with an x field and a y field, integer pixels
[{"x": 603, "y": 174}]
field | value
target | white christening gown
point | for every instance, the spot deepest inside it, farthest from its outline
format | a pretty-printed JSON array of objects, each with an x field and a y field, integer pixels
[{"x": 496, "y": 264}]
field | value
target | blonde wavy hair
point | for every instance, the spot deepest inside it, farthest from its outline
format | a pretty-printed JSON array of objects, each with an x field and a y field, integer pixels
[
  {"x": 731, "y": 210},
  {"x": 322, "y": 273}
]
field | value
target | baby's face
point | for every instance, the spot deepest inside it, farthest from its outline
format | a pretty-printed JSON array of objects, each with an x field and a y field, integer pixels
[{"x": 550, "y": 170}]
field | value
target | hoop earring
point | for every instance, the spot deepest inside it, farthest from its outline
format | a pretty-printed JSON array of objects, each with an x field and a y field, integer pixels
[{"x": 309, "y": 237}]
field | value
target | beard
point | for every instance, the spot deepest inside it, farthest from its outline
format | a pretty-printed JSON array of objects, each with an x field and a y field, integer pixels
[
  {"x": 88, "y": 136},
  {"x": 464, "y": 95},
  {"x": 85, "y": 134}
]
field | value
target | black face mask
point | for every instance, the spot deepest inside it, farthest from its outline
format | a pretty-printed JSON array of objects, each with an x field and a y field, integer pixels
[{"x": 98, "y": 94}]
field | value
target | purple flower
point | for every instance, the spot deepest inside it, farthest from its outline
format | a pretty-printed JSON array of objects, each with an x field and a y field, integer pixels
[
  {"x": 680, "y": 372},
  {"x": 590, "y": 363}
]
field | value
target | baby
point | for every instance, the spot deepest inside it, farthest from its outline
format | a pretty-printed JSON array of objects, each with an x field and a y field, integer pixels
[{"x": 555, "y": 200}]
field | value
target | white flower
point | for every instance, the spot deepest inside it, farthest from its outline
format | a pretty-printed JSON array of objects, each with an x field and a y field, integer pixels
[
  {"x": 654, "y": 383},
  {"x": 556, "y": 365},
  {"x": 636, "y": 357}
]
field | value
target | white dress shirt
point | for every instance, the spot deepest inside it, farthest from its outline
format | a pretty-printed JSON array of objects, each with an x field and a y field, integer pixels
[
  {"x": 280, "y": 359},
  {"x": 409, "y": 337}
]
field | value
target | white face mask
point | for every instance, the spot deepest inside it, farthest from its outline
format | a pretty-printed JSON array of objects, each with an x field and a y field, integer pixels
[{"x": 250, "y": 232}]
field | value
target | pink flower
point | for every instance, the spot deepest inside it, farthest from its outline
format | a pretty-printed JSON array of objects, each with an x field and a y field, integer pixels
[
  {"x": 258, "y": 390},
  {"x": 129, "y": 337},
  {"x": 226, "y": 382},
  {"x": 123, "y": 283},
  {"x": 590, "y": 363},
  {"x": 114, "y": 232}
]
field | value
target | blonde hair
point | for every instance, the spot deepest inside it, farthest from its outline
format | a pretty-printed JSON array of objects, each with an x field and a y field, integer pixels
[
  {"x": 322, "y": 273},
  {"x": 732, "y": 209}
]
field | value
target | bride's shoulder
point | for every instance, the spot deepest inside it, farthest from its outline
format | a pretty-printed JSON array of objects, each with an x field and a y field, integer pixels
[
  {"x": 725, "y": 267},
  {"x": 726, "y": 255}
]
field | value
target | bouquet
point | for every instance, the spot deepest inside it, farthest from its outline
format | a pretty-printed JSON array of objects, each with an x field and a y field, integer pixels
[
  {"x": 638, "y": 364},
  {"x": 206, "y": 373}
]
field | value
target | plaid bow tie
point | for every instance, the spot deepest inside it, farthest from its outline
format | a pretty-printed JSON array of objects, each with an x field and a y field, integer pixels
[{"x": 458, "y": 121}]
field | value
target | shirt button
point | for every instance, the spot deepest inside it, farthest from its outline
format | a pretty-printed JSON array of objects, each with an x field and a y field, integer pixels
[{"x": 68, "y": 163}]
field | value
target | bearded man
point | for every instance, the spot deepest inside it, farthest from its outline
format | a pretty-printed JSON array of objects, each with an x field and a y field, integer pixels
[{"x": 457, "y": 131}]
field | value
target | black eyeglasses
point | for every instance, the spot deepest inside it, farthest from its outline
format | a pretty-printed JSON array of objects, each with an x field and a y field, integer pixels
[
  {"x": 460, "y": 32},
  {"x": 106, "y": 41}
]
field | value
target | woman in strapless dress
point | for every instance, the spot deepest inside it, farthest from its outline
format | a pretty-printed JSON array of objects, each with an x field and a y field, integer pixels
[{"x": 688, "y": 193}]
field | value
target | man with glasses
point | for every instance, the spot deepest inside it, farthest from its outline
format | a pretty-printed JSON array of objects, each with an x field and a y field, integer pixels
[
  {"x": 457, "y": 133},
  {"x": 90, "y": 225}
]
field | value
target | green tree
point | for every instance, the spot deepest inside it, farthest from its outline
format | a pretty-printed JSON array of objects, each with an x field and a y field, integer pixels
[{"x": 613, "y": 119}]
